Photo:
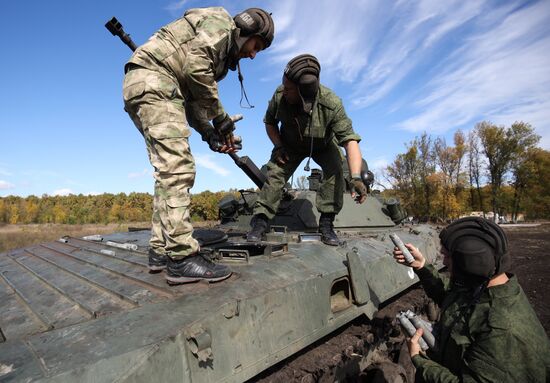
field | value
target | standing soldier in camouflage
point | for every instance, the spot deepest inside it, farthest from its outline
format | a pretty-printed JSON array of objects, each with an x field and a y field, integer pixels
[
  {"x": 171, "y": 83},
  {"x": 313, "y": 124},
  {"x": 488, "y": 331}
]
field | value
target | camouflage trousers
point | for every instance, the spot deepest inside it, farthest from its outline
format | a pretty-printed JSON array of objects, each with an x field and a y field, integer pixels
[
  {"x": 156, "y": 106},
  {"x": 330, "y": 196}
]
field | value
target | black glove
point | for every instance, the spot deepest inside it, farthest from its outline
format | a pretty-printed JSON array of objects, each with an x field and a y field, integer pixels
[
  {"x": 280, "y": 154},
  {"x": 216, "y": 143},
  {"x": 224, "y": 127},
  {"x": 358, "y": 189},
  {"x": 223, "y": 124}
]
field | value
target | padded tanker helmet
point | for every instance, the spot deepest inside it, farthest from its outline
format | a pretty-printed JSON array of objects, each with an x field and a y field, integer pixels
[
  {"x": 478, "y": 248},
  {"x": 304, "y": 71},
  {"x": 256, "y": 22}
]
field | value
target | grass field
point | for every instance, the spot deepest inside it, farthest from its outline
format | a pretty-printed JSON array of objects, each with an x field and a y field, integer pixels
[{"x": 16, "y": 236}]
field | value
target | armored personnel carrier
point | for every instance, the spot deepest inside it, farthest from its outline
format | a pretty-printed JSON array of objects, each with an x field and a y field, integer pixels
[{"x": 88, "y": 310}]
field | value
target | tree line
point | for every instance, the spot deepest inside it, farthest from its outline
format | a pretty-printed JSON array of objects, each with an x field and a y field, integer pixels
[
  {"x": 493, "y": 168},
  {"x": 103, "y": 208}
]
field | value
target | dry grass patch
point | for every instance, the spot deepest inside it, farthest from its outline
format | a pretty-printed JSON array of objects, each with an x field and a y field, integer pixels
[{"x": 17, "y": 236}]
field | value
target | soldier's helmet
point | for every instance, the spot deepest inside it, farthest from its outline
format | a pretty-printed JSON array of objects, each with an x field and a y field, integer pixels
[
  {"x": 478, "y": 248},
  {"x": 256, "y": 22},
  {"x": 304, "y": 70}
]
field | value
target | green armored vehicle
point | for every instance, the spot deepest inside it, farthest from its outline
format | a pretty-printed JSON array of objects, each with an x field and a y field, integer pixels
[{"x": 88, "y": 310}]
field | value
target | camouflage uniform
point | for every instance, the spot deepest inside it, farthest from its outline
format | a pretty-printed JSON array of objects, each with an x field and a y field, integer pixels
[
  {"x": 499, "y": 339},
  {"x": 169, "y": 80},
  {"x": 320, "y": 134}
]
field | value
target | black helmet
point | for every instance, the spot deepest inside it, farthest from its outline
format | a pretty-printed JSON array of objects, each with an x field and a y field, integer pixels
[
  {"x": 478, "y": 248},
  {"x": 256, "y": 22},
  {"x": 304, "y": 71}
]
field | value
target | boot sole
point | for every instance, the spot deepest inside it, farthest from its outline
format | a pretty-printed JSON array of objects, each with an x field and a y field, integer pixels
[
  {"x": 156, "y": 267},
  {"x": 179, "y": 280}
]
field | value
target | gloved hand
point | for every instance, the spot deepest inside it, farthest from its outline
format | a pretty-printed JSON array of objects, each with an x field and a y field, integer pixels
[
  {"x": 216, "y": 143},
  {"x": 358, "y": 190},
  {"x": 224, "y": 126},
  {"x": 279, "y": 154}
]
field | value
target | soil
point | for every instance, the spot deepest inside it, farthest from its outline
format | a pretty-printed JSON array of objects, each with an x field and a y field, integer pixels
[{"x": 369, "y": 350}]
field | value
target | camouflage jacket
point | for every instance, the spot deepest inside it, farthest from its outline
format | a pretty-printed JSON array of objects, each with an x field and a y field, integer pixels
[
  {"x": 500, "y": 339},
  {"x": 328, "y": 121},
  {"x": 196, "y": 50}
]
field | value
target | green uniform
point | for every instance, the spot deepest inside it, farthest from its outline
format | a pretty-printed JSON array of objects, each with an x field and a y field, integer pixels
[
  {"x": 302, "y": 134},
  {"x": 170, "y": 80},
  {"x": 500, "y": 339}
]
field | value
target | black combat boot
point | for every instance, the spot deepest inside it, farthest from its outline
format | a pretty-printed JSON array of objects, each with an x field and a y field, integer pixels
[
  {"x": 157, "y": 262},
  {"x": 195, "y": 268},
  {"x": 259, "y": 227},
  {"x": 326, "y": 228}
]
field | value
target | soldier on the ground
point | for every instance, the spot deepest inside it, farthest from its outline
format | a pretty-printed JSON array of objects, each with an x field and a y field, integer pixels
[
  {"x": 171, "y": 83},
  {"x": 487, "y": 331},
  {"x": 313, "y": 124}
]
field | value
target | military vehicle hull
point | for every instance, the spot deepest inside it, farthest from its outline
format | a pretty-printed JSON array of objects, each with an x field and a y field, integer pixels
[{"x": 84, "y": 310}]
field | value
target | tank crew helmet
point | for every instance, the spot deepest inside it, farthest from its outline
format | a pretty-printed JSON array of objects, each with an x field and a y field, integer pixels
[
  {"x": 256, "y": 22},
  {"x": 304, "y": 71},
  {"x": 478, "y": 248}
]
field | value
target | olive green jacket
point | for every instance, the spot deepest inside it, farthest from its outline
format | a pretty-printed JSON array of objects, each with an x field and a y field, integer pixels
[
  {"x": 196, "y": 50},
  {"x": 499, "y": 339},
  {"x": 328, "y": 121}
]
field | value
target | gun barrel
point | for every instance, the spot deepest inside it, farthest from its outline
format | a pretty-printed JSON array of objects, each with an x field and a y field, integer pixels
[{"x": 115, "y": 27}]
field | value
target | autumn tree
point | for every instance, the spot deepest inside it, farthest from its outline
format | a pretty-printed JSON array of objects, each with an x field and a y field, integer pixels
[
  {"x": 426, "y": 167},
  {"x": 475, "y": 166},
  {"x": 536, "y": 193},
  {"x": 525, "y": 140},
  {"x": 498, "y": 147},
  {"x": 402, "y": 174},
  {"x": 459, "y": 150}
]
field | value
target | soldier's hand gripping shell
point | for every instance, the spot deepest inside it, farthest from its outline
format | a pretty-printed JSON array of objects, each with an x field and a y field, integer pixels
[
  {"x": 217, "y": 144},
  {"x": 280, "y": 154},
  {"x": 224, "y": 126},
  {"x": 358, "y": 190}
]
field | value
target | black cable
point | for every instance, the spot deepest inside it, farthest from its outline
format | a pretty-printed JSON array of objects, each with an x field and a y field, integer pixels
[{"x": 243, "y": 91}]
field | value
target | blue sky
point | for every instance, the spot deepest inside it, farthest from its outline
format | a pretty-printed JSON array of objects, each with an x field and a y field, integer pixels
[{"x": 401, "y": 68}]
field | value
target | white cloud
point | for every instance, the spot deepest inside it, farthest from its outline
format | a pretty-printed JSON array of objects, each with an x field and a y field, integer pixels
[
  {"x": 177, "y": 6},
  {"x": 5, "y": 185},
  {"x": 332, "y": 32},
  {"x": 62, "y": 192},
  {"x": 501, "y": 74},
  {"x": 441, "y": 65},
  {"x": 379, "y": 164},
  {"x": 143, "y": 173},
  {"x": 207, "y": 161}
]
